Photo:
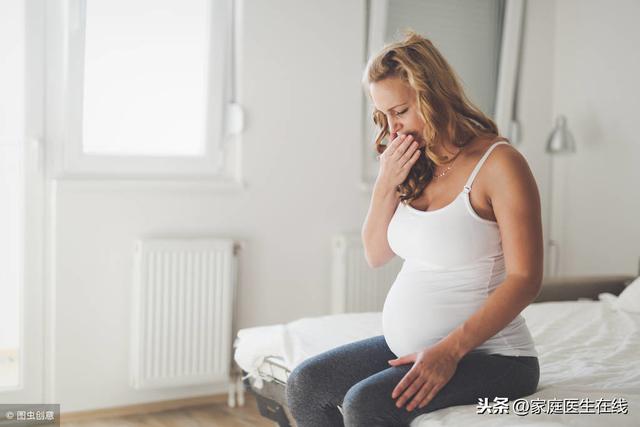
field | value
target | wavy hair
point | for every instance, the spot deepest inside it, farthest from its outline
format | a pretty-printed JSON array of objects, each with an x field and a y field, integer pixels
[{"x": 446, "y": 111}]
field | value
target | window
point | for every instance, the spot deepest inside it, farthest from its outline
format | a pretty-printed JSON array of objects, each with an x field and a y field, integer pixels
[{"x": 140, "y": 87}]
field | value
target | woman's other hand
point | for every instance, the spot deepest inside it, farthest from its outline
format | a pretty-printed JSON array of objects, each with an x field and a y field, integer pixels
[
  {"x": 396, "y": 161},
  {"x": 432, "y": 369}
]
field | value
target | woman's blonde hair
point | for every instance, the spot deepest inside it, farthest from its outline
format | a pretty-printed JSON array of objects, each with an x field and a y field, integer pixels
[{"x": 445, "y": 109}]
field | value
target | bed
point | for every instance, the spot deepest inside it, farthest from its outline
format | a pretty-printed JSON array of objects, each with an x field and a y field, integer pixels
[{"x": 586, "y": 330}]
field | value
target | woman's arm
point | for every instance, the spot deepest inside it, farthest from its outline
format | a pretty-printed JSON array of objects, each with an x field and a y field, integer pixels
[
  {"x": 516, "y": 204},
  {"x": 374, "y": 231},
  {"x": 395, "y": 163}
]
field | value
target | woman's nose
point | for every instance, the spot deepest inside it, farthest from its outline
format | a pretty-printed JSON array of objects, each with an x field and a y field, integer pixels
[{"x": 394, "y": 125}]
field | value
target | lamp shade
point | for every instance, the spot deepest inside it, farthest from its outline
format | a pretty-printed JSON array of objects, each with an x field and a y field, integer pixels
[{"x": 560, "y": 140}]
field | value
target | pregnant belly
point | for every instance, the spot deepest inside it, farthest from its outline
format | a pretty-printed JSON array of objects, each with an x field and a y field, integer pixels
[{"x": 416, "y": 315}]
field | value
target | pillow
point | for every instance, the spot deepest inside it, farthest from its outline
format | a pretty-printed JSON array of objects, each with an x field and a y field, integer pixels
[{"x": 629, "y": 299}]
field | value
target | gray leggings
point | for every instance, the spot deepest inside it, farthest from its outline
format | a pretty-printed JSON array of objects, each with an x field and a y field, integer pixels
[{"x": 357, "y": 377}]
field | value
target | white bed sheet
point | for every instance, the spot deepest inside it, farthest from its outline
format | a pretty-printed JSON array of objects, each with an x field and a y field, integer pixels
[{"x": 587, "y": 350}]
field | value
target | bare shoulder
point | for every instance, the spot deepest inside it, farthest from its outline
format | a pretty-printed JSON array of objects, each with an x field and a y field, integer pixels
[
  {"x": 507, "y": 170},
  {"x": 504, "y": 171},
  {"x": 506, "y": 161},
  {"x": 502, "y": 156}
]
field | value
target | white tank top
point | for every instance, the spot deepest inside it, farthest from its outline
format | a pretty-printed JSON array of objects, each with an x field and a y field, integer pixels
[{"x": 453, "y": 260}]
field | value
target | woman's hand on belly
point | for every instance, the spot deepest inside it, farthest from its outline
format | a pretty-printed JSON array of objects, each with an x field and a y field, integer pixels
[{"x": 432, "y": 369}]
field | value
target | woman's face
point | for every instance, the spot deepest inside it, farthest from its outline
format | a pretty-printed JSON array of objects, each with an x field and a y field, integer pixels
[{"x": 397, "y": 100}]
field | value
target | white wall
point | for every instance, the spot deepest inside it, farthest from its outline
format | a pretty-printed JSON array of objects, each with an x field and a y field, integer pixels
[
  {"x": 536, "y": 93},
  {"x": 11, "y": 194},
  {"x": 596, "y": 86}
]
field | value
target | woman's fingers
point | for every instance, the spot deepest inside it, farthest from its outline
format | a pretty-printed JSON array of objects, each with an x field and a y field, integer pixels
[
  {"x": 390, "y": 151},
  {"x": 413, "y": 388},
  {"x": 408, "y": 154},
  {"x": 435, "y": 390},
  {"x": 394, "y": 145},
  {"x": 401, "y": 147},
  {"x": 421, "y": 395},
  {"x": 414, "y": 158}
]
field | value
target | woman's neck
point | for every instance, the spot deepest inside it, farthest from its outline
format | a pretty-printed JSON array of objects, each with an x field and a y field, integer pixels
[{"x": 447, "y": 149}]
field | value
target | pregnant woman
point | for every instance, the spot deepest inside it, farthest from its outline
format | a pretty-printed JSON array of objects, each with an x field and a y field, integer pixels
[{"x": 461, "y": 207}]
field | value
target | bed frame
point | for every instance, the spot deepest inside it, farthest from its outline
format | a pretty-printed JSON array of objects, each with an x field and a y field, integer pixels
[{"x": 271, "y": 397}]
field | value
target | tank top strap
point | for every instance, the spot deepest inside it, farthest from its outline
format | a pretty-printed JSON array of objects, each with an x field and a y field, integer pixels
[{"x": 472, "y": 177}]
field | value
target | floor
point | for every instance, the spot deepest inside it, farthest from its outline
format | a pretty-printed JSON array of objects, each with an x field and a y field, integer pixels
[{"x": 215, "y": 415}]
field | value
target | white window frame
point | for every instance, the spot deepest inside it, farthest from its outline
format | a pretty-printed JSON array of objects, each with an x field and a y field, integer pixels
[
  {"x": 506, "y": 90},
  {"x": 65, "y": 23}
]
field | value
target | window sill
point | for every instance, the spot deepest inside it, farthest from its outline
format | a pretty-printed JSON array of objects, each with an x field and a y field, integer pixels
[{"x": 93, "y": 183}]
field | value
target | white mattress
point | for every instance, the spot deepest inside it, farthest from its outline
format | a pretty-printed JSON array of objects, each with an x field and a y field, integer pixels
[{"x": 587, "y": 349}]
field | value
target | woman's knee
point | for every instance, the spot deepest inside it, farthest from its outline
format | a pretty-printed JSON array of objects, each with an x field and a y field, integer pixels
[
  {"x": 303, "y": 383},
  {"x": 362, "y": 407},
  {"x": 529, "y": 380}
]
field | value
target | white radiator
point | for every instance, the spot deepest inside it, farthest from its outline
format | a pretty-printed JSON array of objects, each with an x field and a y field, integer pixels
[
  {"x": 356, "y": 287},
  {"x": 182, "y": 312}
]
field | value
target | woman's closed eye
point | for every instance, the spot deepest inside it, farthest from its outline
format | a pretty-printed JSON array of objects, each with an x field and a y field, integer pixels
[{"x": 399, "y": 113}]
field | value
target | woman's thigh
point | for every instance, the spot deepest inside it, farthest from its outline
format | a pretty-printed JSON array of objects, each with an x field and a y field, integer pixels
[
  {"x": 322, "y": 381},
  {"x": 477, "y": 376}
]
